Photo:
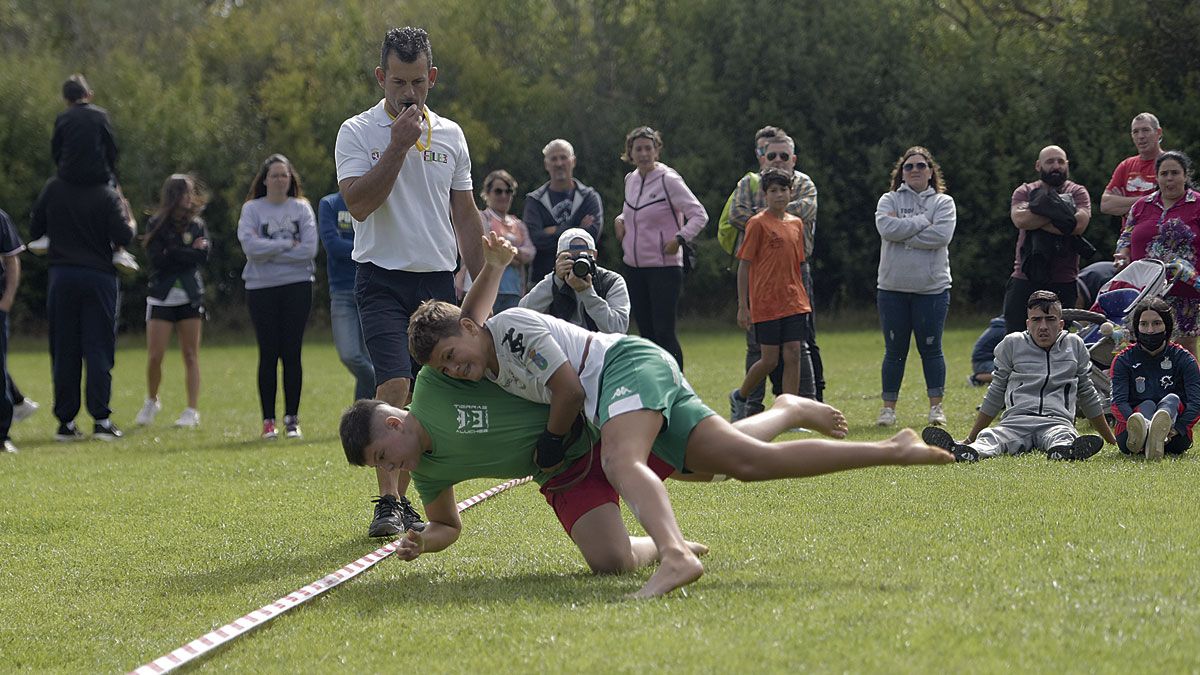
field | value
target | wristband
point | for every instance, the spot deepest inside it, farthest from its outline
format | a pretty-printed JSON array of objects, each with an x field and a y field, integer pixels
[{"x": 549, "y": 452}]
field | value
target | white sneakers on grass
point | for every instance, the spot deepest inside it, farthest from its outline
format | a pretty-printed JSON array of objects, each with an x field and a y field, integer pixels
[
  {"x": 24, "y": 409},
  {"x": 149, "y": 411},
  {"x": 887, "y": 416},
  {"x": 188, "y": 419}
]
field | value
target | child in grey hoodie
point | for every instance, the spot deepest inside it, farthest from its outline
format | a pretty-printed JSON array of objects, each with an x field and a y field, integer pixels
[{"x": 1040, "y": 375}]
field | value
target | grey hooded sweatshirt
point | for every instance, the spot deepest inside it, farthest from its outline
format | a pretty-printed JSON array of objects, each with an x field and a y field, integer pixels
[
  {"x": 913, "y": 257},
  {"x": 1029, "y": 380}
]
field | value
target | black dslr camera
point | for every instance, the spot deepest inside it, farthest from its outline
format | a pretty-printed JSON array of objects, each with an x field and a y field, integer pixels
[{"x": 583, "y": 265}]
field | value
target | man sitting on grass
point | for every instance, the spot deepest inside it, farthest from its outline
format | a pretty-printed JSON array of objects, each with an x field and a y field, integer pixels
[
  {"x": 1040, "y": 374},
  {"x": 651, "y": 423}
]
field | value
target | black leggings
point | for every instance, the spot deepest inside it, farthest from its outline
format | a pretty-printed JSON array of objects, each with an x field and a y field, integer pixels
[
  {"x": 654, "y": 301},
  {"x": 279, "y": 315}
]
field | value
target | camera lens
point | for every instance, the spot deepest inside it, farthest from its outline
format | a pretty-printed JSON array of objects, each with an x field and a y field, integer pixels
[{"x": 581, "y": 267}]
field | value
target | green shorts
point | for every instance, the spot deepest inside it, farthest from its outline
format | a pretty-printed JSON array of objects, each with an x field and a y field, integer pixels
[{"x": 638, "y": 375}]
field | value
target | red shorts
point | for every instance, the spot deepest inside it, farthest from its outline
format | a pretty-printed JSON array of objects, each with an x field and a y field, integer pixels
[{"x": 585, "y": 494}]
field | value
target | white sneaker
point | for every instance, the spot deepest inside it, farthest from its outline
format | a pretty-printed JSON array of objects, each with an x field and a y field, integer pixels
[
  {"x": 148, "y": 412},
  {"x": 9, "y": 447},
  {"x": 1136, "y": 426},
  {"x": 937, "y": 416},
  {"x": 1156, "y": 437},
  {"x": 887, "y": 418},
  {"x": 189, "y": 418},
  {"x": 23, "y": 410},
  {"x": 125, "y": 262},
  {"x": 39, "y": 246}
]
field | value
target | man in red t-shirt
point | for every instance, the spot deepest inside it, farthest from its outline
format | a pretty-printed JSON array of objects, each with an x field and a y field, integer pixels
[{"x": 1135, "y": 176}]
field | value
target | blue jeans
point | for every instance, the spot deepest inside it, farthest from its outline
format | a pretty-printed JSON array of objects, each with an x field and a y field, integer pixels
[
  {"x": 348, "y": 340},
  {"x": 901, "y": 315}
]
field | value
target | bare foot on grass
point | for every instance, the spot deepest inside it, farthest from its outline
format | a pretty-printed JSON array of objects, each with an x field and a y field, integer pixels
[
  {"x": 815, "y": 415},
  {"x": 697, "y": 548},
  {"x": 910, "y": 449},
  {"x": 673, "y": 572}
]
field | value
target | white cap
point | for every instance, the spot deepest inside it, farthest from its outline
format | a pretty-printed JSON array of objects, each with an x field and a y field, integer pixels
[{"x": 565, "y": 239}]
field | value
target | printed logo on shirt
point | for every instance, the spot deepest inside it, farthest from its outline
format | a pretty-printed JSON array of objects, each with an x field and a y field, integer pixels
[
  {"x": 1166, "y": 363},
  {"x": 345, "y": 221},
  {"x": 514, "y": 341},
  {"x": 537, "y": 359},
  {"x": 621, "y": 391},
  {"x": 472, "y": 419},
  {"x": 1139, "y": 383},
  {"x": 439, "y": 157},
  {"x": 280, "y": 229},
  {"x": 375, "y": 154},
  {"x": 1166, "y": 381}
]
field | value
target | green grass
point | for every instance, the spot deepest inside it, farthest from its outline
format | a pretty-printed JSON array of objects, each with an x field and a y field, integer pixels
[{"x": 113, "y": 554}]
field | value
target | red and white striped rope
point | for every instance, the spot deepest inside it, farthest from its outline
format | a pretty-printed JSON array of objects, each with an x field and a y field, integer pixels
[{"x": 210, "y": 641}]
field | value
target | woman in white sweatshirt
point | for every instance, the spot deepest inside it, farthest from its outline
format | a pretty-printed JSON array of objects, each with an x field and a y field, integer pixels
[{"x": 915, "y": 222}]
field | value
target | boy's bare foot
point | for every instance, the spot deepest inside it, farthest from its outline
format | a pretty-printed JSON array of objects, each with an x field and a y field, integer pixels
[
  {"x": 673, "y": 572},
  {"x": 816, "y": 415},
  {"x": 697, "y": 548},
  {"x": 910, "y": 449}
]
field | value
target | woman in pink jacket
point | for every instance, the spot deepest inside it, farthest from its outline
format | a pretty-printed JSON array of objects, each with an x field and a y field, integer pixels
[{"x": 660, "y": 215}]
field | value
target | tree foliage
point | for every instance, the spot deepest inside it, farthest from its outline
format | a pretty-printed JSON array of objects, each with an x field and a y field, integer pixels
[{"x": 212, "y": 87}]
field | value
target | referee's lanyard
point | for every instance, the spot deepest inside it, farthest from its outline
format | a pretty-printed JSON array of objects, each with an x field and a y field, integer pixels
[{"x": 428, "y": 128}]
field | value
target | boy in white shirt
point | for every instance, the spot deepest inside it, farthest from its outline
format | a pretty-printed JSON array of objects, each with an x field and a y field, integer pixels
[{"x": 642, "y": 405}]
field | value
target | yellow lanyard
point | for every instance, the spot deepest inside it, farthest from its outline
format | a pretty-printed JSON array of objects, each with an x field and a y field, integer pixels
[{"x": 428, "y": 129}]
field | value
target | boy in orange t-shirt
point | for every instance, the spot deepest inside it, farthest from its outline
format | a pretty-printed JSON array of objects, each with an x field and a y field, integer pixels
[{"x": 771, "y": 291}]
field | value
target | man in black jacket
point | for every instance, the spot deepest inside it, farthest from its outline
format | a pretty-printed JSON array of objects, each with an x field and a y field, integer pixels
[
  {"x": 558, "y": 205},
  {"x": 83, "y": 223},
  {"x": 598, "y": 301}
]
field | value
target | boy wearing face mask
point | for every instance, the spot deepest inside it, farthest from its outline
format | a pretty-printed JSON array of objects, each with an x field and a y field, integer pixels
[{"x": 1154, "y": 379}]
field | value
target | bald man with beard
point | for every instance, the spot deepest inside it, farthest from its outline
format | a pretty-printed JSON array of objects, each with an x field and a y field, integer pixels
[{"x": 1045, "y": 258}]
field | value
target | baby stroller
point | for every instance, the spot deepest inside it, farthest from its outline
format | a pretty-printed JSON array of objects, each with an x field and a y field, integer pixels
[{"x": 1103, "y": 327}]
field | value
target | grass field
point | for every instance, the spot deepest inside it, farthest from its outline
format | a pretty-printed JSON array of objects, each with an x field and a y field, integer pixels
[{"x": 113, "y": 554}]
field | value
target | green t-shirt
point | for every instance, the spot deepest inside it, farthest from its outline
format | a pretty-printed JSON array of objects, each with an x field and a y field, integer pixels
[{"x": 479, "y": 431}]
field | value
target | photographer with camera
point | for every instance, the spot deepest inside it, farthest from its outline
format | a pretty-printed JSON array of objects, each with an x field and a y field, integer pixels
[{"x": 580, "y": 291}]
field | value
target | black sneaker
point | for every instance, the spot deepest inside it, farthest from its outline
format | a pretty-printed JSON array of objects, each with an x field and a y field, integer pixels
[
  {"x": 105, "y": 430},
  {"x": 940, "y": 438},
  {"x": 394, "y": 516},
  {"x": 1081, "y": 448},
  {"x": 68, "y": 432}
]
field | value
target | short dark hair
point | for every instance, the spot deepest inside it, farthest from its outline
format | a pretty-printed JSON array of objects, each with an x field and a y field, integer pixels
[
  {"x": 773, "y": 176},
  {"x": 1159, "y": 305},
  {"x": 433, "y": 321},
  {"x": 1043, "y": 300},
  {"x": 1184, "y": 161},
  {"x": 76, "y": 88},
  {"x": 406, "y": 43},
  {"x": 356, "y": 427}
]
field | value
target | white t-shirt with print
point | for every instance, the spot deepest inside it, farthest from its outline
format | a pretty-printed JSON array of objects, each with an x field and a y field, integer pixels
[
  {"x": 411, "y": 230},
  {"x": 530, "y": 346}
]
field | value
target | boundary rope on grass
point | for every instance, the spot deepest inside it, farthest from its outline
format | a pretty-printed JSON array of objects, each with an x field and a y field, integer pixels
[{"x": 213, "y": 639}]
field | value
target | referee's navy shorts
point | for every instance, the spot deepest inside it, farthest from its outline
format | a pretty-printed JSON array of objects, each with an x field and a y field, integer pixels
[{"x": 386, "y": 299}]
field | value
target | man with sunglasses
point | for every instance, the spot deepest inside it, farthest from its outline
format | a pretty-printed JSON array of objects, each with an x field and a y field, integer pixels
[
  {"x": 778, "y": 151},
  {"x": 405, "y": 173},
  {"x": 559, "y": 205}
]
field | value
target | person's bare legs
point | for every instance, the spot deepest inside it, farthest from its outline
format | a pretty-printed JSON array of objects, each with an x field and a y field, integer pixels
[
  {"x": 789, "y": 412},
  {"x": 189, "y": 347},
  {"x": 393, "y": 392},
  {"x": 791, "y": 367},
  {"x": 767, "y": 360},
  {"x": 607, "y": 546},
  {"x": 158, "y": 335},
  {"x": 717, "y": 447},
  {"x": 625, "y": 446}
]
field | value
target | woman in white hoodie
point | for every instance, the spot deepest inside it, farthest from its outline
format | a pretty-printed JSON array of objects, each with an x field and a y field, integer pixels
[{"x": 915, "y": 222}]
